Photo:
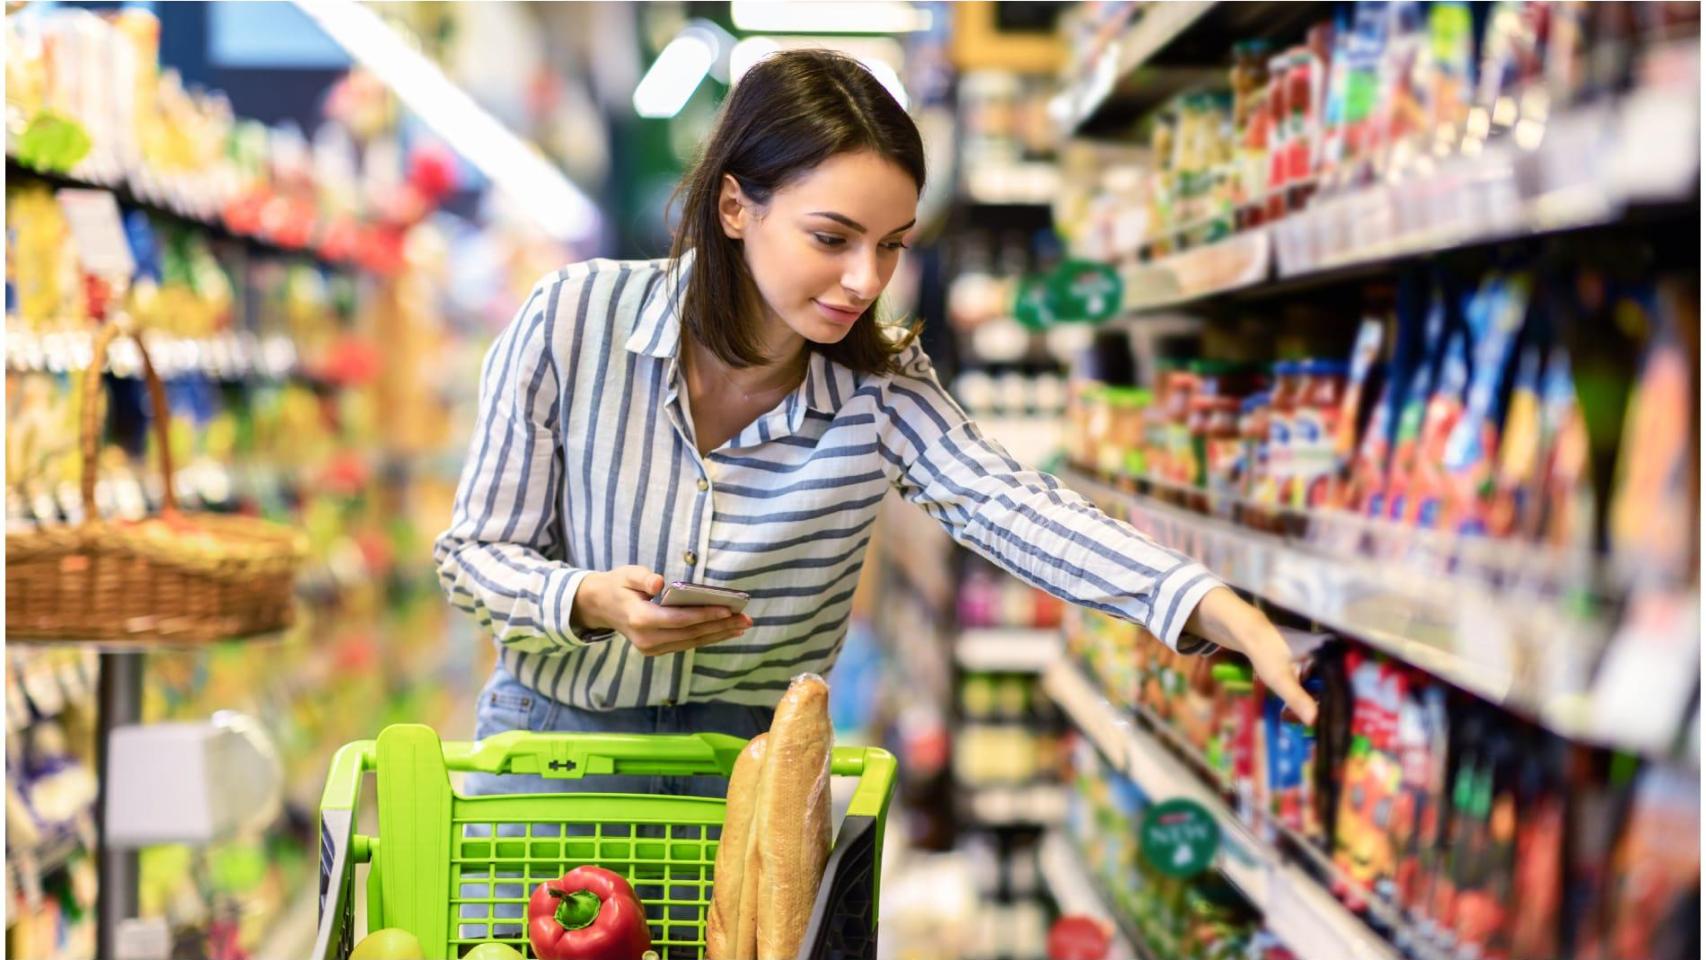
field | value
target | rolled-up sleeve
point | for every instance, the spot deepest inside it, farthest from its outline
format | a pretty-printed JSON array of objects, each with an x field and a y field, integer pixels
[
  {"x": 1025, "y": 521},
  {"x": 495, "y": 562}
]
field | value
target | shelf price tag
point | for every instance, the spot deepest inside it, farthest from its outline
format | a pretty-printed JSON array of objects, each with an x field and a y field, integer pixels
[{"x": 1179, "y": 837}]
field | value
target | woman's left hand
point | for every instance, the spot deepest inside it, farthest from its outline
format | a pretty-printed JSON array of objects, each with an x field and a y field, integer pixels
[{"x": 1225, "y": 619}]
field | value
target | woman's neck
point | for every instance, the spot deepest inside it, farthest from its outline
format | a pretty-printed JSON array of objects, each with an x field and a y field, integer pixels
[{"x": 785, "y": 355}]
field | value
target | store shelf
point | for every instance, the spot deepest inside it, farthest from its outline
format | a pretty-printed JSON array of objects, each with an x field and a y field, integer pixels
[
  {"x": 1170, "y": 48},
  {"x": 1504, "y": 621},
  {"x": 227, "y": 356},
  {"x": 161, "y": 198},
  {"x": 1577, "y": 175},
  {"x": 1075, "y": 892},
  {"x": 1042, "y": 804},
  {"x": 1238, "y": 262},
  {"x": 1007, "y": 649},
  {"x": 1594, "y": 166},
  {"x": 1305, "y": 916}
]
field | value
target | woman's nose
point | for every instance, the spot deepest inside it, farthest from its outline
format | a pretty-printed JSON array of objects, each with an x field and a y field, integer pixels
[{"x": 863, "y": 277}]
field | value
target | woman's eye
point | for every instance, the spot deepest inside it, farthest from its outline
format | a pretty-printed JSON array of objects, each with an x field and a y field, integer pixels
[
  {"x": 829, "y": 240},
  {"x": 895, "y": 245}
]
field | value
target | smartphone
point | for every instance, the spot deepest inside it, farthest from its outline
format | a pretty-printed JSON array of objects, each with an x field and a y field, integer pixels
[{"x": 683, "y": 594}]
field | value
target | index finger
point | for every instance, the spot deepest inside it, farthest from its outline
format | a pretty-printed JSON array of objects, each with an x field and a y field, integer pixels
[{"x": 1298, "y": 702}]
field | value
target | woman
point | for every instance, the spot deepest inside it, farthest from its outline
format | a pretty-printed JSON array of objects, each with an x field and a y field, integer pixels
[{"x": 732, "y": 415}]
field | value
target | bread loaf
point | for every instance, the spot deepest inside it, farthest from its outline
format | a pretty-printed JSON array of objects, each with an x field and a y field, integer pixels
[
  {"x": 792, "y": 819},
  {"x": 730, "y": 934}
]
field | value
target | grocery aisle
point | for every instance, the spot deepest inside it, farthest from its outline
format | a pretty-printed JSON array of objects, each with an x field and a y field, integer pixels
[
  {"x": 1402, "y": 347},
  {"x": 1387, "y": 313}
]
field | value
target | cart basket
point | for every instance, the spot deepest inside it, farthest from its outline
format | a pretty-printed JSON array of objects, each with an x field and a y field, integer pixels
[{"x": 457, "y": 871}]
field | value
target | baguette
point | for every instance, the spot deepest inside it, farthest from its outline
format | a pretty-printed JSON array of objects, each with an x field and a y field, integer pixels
[
  {"x": 729, "y": 933},
  {"x": 792, "y": 818}
]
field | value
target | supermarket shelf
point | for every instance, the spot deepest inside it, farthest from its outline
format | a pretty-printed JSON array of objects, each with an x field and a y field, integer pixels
[
  {"x": 1577, "y": 178},
  {"x": 1488, "y": 617},
  {"x": 1075, "y": 892},
  {"x": 1170, "y": 48},
  {"x": 228, "y": 356},
  {"x": 1305, "y": 916},
  {"x": 1041, "y": 804},
  {"x": 160, "y": 198},
  {"x": 1007, "y": 649}
]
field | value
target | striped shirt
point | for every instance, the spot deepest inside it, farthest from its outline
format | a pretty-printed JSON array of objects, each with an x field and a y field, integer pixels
[{"x": 584, "y": 459}]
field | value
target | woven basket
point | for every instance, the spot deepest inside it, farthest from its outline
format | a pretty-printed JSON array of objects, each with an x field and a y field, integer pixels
[{"x": 177, "y": 577}]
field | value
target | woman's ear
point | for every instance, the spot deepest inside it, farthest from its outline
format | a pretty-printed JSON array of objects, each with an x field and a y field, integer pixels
[{"x": 733, "y": 208}]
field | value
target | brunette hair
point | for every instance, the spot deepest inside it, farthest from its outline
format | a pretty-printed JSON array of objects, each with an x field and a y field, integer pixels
[{"x": 790, "y": 112}]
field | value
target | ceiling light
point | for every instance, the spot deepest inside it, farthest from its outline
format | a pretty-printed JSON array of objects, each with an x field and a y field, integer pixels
[
  {"x": 512, "y": 164},
  {"x": 829, "y": 16},
  {"x": 887, "y": 76},
  {"x": 748, "y": 52},
  {"x": 676, "y": 73}
]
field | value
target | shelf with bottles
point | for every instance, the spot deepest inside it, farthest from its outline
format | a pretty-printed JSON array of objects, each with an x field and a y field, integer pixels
[
  {"x": 1008, "y": 751},
  {"x": 1136, "y": 55},
  {"x": 1006, "y": 140},
  {"x": 1401, "y": 801},
  {"x": 122, "y": 122},
  {"x": 1486, "y": 488},
  {"x": 1326, "y": 157}
]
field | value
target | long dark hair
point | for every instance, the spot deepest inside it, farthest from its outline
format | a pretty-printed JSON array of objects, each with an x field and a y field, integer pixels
[{"x": 788, "y": 113}]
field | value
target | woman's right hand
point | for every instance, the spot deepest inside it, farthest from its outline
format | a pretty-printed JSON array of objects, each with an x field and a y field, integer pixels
[{"x": 621, "y": 600}]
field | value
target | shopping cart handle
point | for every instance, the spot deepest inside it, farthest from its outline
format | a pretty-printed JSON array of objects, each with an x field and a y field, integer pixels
[{"x": 571, "y": 756}]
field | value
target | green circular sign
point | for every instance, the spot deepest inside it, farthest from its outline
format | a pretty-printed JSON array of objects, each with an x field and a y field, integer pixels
[{"x": 1179, "y": 838}]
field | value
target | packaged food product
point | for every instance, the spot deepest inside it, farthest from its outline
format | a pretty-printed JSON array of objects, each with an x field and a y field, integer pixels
[
  {"x": 1273, "y": 489},
  {"x": 1416, "y": 462},
  {"x": 1657, "y": 869},
  {"x": 1655, "y": 489},
  {"x": 1495, "y": 318},
  {"x": 1314, "y": 425}
]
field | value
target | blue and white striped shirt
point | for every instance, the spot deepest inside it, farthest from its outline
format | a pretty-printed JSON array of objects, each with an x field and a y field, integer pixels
[{"x": 584, "y": 459}]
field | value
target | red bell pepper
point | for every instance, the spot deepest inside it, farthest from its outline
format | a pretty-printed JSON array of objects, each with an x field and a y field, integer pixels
[{"x": 589, "y": 914}]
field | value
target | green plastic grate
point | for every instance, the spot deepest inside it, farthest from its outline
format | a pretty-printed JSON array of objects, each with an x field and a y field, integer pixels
[{"x": 497, "y": 862}]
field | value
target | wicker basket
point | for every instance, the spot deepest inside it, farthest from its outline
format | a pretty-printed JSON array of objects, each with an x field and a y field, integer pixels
[{"x": 177, "y": 577}]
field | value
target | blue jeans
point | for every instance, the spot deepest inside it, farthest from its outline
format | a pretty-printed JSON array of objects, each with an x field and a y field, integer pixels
[{"x": 507, "y": 704}]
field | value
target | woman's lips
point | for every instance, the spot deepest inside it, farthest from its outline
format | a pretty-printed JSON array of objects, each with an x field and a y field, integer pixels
[{"x": 842, "y": 315}]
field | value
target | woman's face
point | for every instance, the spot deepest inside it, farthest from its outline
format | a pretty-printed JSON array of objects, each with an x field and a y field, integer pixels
[{"x": 825, "y": 245}]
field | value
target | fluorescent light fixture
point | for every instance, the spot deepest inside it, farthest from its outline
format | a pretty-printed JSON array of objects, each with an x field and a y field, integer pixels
[
  {"x": 878, "y": 54},
  {"x": 675, "y": 74},
  {"x": 829, "y": 16},
  {"x": 748, "y": 52},
  {"x": 511, "y": 163},
  {"x": 887, "y": 76}
]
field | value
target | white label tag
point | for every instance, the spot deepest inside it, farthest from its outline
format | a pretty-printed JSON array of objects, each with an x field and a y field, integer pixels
[{"x": 98, "y": 232}]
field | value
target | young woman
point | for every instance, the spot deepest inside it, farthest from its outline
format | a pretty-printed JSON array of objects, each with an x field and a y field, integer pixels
[{"x": 732, "y": 416}]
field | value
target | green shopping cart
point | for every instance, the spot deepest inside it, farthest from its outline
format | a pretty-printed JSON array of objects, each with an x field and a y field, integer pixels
[{"x": 457, "y": 871}]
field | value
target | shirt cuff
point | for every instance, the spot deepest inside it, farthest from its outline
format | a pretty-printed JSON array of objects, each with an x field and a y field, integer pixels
[
  {"x": 560, "y": 589},
  {"x": 1177, "y": 593}
]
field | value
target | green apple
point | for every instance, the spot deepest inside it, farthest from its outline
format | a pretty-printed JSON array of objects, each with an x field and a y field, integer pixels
[
  {"x": 388, "y": 944},
  {"x": 492, "y": 950}
]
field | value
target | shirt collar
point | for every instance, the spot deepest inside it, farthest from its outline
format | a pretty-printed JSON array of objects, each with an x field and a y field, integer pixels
[{"x": 657, "y": 329}]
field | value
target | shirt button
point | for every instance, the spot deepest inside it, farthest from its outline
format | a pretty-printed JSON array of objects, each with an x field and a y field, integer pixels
[
  {"x": 691, "y": 558},
  {"x": 704, "y": 484}
]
